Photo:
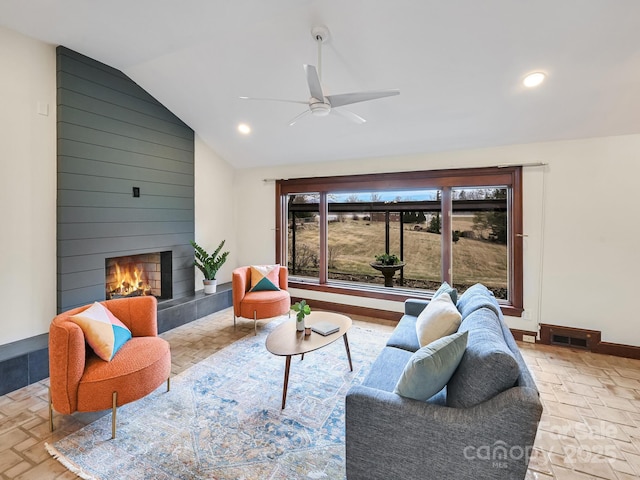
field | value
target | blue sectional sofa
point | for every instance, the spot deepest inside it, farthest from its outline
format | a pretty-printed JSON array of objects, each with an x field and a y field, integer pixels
[{"x": 482, "y": 424}]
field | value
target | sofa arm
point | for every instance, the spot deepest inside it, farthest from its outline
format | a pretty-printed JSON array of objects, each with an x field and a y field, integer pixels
[
  {"x": 67, "y": 356},
  {"x": 283, "y": 278},
  {"x": 240, "y": 280},
  {"x": 414, "y": 306},
  {"x": 388, "y": 436}
]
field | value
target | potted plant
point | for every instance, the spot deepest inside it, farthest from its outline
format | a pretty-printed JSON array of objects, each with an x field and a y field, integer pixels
[
  {"x": 209, "y": 265},
  {"x": 387, "y": 265},
  {"x": 302, "y": 310},
  {"x": 386, "y": 259}
]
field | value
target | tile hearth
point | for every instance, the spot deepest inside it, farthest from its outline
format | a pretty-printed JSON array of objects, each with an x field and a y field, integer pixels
[{"x": 590, "y": 428}]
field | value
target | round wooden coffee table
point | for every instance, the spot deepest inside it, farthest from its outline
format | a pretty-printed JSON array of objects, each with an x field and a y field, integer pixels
[{"x": 285, "y": 341}]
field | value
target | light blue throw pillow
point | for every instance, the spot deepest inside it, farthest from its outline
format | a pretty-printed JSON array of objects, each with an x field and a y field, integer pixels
[
  {"x": 430, "y": 368},
  {"x": 445, "y": 287}
]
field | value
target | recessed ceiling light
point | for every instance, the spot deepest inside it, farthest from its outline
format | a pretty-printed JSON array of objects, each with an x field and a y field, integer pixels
[
  {"x": 534, "y": 79},
  {"x": 244, "y": 129}
]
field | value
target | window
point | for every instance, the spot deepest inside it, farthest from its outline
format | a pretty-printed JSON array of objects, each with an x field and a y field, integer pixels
[
  {"x": 460, "y": 226},
  {"x": 480, "y": 251},
  {"x": 303, "y": 235}
]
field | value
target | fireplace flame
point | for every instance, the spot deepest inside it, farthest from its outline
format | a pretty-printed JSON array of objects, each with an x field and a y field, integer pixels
[{"x": 129, "y": 282}]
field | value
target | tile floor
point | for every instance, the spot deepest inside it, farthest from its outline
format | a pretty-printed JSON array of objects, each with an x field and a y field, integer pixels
[{"x": 590, "y": 428}]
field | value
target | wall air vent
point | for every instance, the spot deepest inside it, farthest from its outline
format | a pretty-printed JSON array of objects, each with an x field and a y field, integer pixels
[{"x": 569, "y": 337}]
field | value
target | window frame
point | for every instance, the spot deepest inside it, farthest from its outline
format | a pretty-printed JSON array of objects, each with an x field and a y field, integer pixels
[{"x": 445, "y": 179}]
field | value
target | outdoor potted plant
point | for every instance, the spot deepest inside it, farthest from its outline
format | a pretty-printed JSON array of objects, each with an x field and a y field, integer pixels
[
  {"x": 302, "y": 310},
  {"x": 209, "y": 265},
  {"x": 388, "y": 265}
]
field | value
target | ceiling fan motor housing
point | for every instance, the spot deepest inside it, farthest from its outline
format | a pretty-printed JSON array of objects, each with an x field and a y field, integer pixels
[{"x": 318, "y": 108}]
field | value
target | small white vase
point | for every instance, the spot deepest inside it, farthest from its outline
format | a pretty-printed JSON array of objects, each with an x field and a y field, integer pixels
[
  {"x": 300, "y": 325},
  {"x": 210, "y": 286}
]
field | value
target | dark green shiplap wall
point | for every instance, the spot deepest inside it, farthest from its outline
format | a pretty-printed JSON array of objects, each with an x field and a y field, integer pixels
[{"x": 113, "y": 136}]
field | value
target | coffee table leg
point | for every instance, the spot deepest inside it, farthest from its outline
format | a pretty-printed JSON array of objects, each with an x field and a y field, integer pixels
[
  {"x": 346, "y": 345},
  {"x": 286, "y": 380}
]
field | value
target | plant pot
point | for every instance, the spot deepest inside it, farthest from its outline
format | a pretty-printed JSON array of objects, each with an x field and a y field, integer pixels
[
  {"x": 300, "y": 325},
  {"x": 209, "y": 286},
  {"x": 388, "y": 271}
]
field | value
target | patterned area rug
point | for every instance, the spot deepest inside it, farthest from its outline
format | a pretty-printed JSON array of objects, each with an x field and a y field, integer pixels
[{"x": 222, "y": 418}]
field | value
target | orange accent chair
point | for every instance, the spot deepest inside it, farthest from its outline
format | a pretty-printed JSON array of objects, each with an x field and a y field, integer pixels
[
  {"x": 80, "y": 381},
  {"x": 262, "y": 304}
]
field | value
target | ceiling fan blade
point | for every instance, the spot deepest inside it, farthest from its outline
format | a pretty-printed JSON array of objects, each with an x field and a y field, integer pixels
[
  {"x": 298, "y": 117},
  {"x": 275, "y": 100},
  {"x": 314, "y": 82},
  {"x": 349, "y": 115},
  {"x": 349, "y": 98}
]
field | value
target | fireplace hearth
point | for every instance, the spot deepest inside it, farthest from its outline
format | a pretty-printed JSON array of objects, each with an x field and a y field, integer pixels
[{"x": 136, "y": 275}]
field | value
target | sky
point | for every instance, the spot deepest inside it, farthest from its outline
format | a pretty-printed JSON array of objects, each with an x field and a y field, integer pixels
[{"x": 387, "y": 196}]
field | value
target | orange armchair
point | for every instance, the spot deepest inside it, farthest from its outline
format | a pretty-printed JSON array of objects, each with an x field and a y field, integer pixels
[
  {"x": 82, "y": 382},
  {"x": 262, "y": 304}
]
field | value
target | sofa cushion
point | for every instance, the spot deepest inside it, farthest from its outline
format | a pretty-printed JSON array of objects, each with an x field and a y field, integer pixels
[
  {"x": 439, "y": 319},
  {"x": 475, "y": 297},
  {"x": 488, "y": 366},
  {"x": 430, "y": 368},
  {"x": 387, "y": 369},
  {"x": 446, "y": 288},
  {"x": 104, "y": 333},
  {"x": 141, "y": 366},
  {"x": 264, "y": 277},
  {"x": 404, "y": 336},
  {"x": 265, "y": 304}
]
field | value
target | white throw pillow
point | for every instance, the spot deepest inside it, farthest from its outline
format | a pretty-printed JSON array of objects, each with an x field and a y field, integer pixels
[{"x": 439, "y": 319}]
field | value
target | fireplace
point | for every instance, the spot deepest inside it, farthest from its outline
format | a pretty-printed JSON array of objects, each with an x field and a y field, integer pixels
[{"x": 135, "y": 275}]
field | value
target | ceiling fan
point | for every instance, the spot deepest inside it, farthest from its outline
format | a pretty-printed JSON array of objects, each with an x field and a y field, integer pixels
[{"x": 321, "y": 105}]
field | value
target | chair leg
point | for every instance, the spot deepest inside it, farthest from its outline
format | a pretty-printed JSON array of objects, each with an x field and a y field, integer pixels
[
  {"x": 255, "y": 322},
  {"x": 113, "y": 414},
  {"x": 234, "y": 320},
  {"x": 168, "y": 384},
  {"x": 50, "y": 412}
]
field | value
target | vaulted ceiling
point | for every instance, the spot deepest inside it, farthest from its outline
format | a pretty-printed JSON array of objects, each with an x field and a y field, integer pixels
[{"x": 458, "y": 65}]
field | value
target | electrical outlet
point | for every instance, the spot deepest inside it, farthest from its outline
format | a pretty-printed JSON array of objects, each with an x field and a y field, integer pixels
[
  {"x": 526, "y": 315},
  {"x": 529, "y": 338}
]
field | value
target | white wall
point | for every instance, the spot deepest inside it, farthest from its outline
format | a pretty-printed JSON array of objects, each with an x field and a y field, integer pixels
[
  {"x": 591, "y": 255},
  {"x": 27, "y": 187},
  {"x": 579, "y": 261},
  {"x": 214, "y": 213}
]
